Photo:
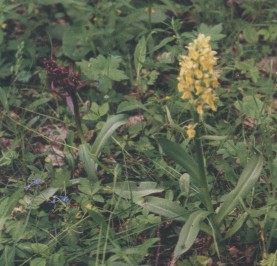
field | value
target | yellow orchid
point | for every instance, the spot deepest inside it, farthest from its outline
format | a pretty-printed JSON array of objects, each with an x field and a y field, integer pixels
[{"x": 197, "y": 78}]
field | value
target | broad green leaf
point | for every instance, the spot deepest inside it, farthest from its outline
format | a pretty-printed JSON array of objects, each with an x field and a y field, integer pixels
[
  {"x": 106, "y": 132},
  {"x": 251, "y": 106},
  {"x": 130, "y": 189},
  {"x": 140, "y": 55},
  {"x": 236, "y": 226},
  {"x": 213, "y": 31},
  {"x": 102, "y": 67},
  {"x": 189, "y": 232},
  {"x": 164, "y": 207},
  {"x": 129, "y": 106},
  {"x": 38, "y": 262},
  {"x": 7, "y": 256},
  {"x": 249, "y": 68},
  {"x": 88, "y": 154},
  {"x": 89, "y": 188},
  {"x": 250, "y": 34},
  {"x": 87, "y": 158},
  {"x": 43, "y": 196},
  {"x": 74, "y": 44},
  {"x": 104, "y": 109},
  {"x": 246, "y": 182},
  {"x": 57, "y": 259},
  {"x": 96, "y": 111},
  {"x": 34, "y": 248},
  {"x": 269, "y": 259},
  {"x": 184, "y": 183},
  {"x": 180, "y": 156},
  {"x": 7, "y": 205}
]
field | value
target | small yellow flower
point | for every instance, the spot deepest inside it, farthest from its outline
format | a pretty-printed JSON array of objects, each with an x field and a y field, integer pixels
[
  {"x": 193, "y": 53},
  {"x": 199, "y": 108},
  {"x": 191, "y": 131},
  {"x": 4, "y": 26}
]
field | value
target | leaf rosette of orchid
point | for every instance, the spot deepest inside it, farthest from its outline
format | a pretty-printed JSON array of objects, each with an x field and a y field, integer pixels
[{"x": 198, "y": 79}]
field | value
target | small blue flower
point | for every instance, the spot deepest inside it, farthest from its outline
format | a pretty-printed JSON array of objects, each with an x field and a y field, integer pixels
[
  {"x": 64, "y": 199},
  {"x": 27, "y": 187},
  {"x": 36, "y": 181}
]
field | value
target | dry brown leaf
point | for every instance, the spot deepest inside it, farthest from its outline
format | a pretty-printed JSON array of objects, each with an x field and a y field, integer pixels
[{"x": 268, "y": 65}]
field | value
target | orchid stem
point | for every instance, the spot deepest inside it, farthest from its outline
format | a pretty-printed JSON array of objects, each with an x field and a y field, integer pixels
[
  {"x": 77, "y": 117},
  {"x": 201, "y": 164}
]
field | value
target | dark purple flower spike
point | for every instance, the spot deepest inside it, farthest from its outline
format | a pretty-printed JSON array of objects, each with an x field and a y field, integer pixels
[{"x": 66, "y": 81}]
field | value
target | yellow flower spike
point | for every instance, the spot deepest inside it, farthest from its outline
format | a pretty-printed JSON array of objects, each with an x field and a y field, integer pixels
[
  {"x": 191, "y": 131},
  {"x": 197, "y": 78}
]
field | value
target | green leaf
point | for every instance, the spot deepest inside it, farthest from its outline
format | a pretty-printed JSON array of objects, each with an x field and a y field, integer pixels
[
  {"x": 106, "y": 132},
  {"x": 7, "y": 205},
  {"x": 101, "y": 67},
  {"x": 184, "y": 183},
  {"x": 180, "y": 156},
  {"x": 96, "y": 111},
  {"x": 269, "y": 259},
  {"x": 57, "y": 259},
  {"x": 214, "y": 31},
  {"x": 140, "y": 55},
  {"x": 38, "y": 262},
  {"x": 88, "y": 188},
  {"x": 38, "y": 102},
  {"x": 88, "y": 154},
  {"x": 74, "y": 45},
  {"x": 251, "y": 106},
  {"x": 130, "y": 189},
  {"x": 246, "y": 182},
  {"x": 34, "y": 248},
  {"x": 249, "y": 68},
  {"x": 164, "y": 42},
  {"x": 129, "y": 106},
  {"x": 4, "y": 99},
  {"x": 236, "y": 226},
  {"x": 103, "y": 109},
  {"x": 43, "y": 196},
  {"x": 164, "y": 207},
  {"x": 250, "y": 34},
  {"x": 189, "y": 232},
  {"x": 7, "y": 256},
  {"x": 90, "y": 166}
]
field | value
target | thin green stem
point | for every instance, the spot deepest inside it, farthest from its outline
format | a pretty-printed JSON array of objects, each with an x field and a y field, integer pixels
[
  {"x": 77, "y": 117},
  {"x": 201, "y": 164}
]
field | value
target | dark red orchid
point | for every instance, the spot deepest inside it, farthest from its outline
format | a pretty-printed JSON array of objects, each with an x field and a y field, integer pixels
[{"x": 64, "y": 80}]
